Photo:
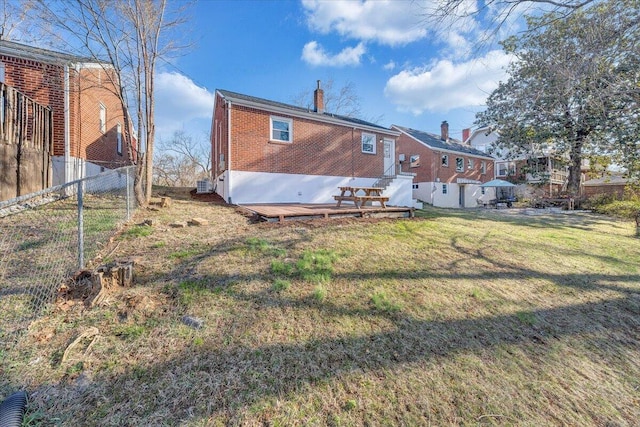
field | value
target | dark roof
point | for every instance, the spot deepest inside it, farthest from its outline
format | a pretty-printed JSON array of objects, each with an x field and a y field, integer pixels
[
  {"x": 296, "y": 109},
  {"x": 434, "y": 141},
  {"x": 10, "y": 48},
  {"x": 607, "y": 180}
]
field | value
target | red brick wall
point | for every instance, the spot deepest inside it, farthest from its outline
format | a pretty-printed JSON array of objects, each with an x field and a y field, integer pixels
[
  {"x": 44, "y": 83},
  {"x": 431, "y": 163},
  {"x": 317, "y": 149},
  {"x": 219, "y": 133},
  {"x": 95, "y": 88}
]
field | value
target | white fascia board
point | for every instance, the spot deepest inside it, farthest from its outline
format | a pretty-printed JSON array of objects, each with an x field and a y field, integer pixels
[{"x": 311, "y": 116}]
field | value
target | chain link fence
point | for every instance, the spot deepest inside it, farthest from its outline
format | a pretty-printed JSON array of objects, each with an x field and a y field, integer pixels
[{"x": 46, "y": 236}]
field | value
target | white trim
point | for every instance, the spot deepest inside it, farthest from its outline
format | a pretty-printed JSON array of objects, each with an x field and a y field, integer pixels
[
  {"x": 281, "y": 119},
  {"x": 362, "y": 141}
]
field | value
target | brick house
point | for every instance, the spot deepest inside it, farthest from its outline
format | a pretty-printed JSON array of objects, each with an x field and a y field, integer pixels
[
  {"x": 610, "y": 185},
  {"x": 542, "y": 170},
  {"x": 269, "y": 152},
  {"x": 87, "y": 117},
  {"x": 447, "y": 172}
]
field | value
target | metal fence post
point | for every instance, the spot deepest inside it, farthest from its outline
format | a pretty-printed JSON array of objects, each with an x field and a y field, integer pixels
[{"x": 80, "y": 225}]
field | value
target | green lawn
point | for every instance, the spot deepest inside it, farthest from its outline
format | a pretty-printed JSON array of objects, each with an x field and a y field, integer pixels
[{"x": 451, "y": 318}]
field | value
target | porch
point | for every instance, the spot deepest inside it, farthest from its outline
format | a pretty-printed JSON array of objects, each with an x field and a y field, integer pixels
[{"x": 280, "y": 212}]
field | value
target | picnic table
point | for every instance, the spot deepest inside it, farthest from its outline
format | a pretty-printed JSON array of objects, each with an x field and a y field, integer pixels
[{"x": 360, "y": 195}]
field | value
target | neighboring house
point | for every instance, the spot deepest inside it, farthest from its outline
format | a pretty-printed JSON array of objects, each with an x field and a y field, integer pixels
[
  {"x": 269, "y": 152},
  {"x": 447, "y": 172},
  {"x": 87, "y": 125},
  {"x": 611, "y": 185},
  {"x": 542, "y": 168}
]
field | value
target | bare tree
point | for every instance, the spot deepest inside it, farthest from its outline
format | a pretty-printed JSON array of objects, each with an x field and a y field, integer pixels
[
  {"x": 491, "y": 18},
  {"x": 128, "y": 37},
  {"x": 181, "y": 161},
  {"x": 344, "y": 101},
  {"x": 14, "y": 20}
]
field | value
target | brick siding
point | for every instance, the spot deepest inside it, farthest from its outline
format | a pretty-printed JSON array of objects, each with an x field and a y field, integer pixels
[
  {"x": 318, "y": 148},
  {"x": 431, "y": 166},
  {"x": 44, "y": 83}
]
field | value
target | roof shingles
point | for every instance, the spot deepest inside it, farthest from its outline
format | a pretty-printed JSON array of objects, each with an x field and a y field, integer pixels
[{"x": 434, "y": 141}]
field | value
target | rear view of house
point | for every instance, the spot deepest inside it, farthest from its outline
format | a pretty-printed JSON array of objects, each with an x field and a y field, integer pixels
[
  {"x": 85, "y": 132},
  {"x": 269, "y": 152},
  {"x": 447, "y": 172}
]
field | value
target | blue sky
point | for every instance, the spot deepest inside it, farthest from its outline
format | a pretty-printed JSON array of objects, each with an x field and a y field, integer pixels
[{"x": 405, "y": 70}]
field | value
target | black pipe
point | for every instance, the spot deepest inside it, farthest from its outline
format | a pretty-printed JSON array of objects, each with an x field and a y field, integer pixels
[{"x": 12, "y": 409}]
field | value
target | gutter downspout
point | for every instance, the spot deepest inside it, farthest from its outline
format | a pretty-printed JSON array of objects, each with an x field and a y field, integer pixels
[
  {"x": 67, "y": 137},
  {"x": 228, "y": 180}
]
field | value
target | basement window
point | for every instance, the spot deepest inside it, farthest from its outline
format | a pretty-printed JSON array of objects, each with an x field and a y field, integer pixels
[
  {"x": 445, "y": 189},
  {"x": 281, "y": 129}
]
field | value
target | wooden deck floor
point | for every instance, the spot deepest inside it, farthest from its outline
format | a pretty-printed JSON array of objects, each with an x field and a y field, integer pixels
[{"x": 293, "y": 211}]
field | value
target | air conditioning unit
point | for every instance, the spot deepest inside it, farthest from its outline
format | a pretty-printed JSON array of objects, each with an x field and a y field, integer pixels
[{"x": 203, "y": 186}]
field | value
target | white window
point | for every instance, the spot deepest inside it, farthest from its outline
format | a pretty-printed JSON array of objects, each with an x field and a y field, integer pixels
[
  {"x": 459, "y": 164},
  {"x": 119, "y": 139},
  {"x": 2, "y": 70},
  {"x": 444, "y": 189},
  {"x": 506, "y": 168},
  {"x": 414, "y": 161},
  {"x": 368, "y": 143},
  {"x": 281, "y": 129},
  {"x": 483, "y": 169},
  {"x": 470, "y": 164},
  {"x": 103, "y": 118},
  {"x": 445, "y": 160}
]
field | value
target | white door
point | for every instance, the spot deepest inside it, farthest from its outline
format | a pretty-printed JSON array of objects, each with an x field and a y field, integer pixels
[{"x": 389, "y": 157}]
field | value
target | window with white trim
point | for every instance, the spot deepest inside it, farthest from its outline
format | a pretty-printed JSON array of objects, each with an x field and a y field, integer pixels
[
  {"x": 414, "y": 161},
  {"x": 483, "y": 168},
  {"x": 470, "y": 163},
  {"x": 103, "y": 118},
  {"x": 281, "y": 129},
  {"x": 459, "y": 164},
  {"x": 119, "y": 139},
  {"x": 506, "y": 168},
  {"x": 368, "y": 143},
  {"x": 445, "y": 189},
  {"x": 445, "y": 160},
  {"x": 2, "y": 71}
]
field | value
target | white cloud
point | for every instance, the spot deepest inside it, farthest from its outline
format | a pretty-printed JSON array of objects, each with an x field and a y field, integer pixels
[
  {"x": 388, "y": 22},
  {"x": 446, "y": 85},
  {"x": 389, "y": 66},
  {"x": 314, "y": 54},
  {"x": 179, "y": 103}
]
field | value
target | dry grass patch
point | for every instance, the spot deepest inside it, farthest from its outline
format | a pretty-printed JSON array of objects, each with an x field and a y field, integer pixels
[{"x": 455, "y": 318}]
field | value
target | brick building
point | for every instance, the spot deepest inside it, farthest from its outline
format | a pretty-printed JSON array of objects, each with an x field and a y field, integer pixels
[
  {"x": 87, "y": 117},
  {"x": 269, "y": 152},
  {"x": 447, "y": 172}
]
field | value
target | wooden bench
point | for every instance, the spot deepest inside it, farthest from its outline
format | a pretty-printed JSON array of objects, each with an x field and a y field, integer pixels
[{"x": 359, "y": 201}]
